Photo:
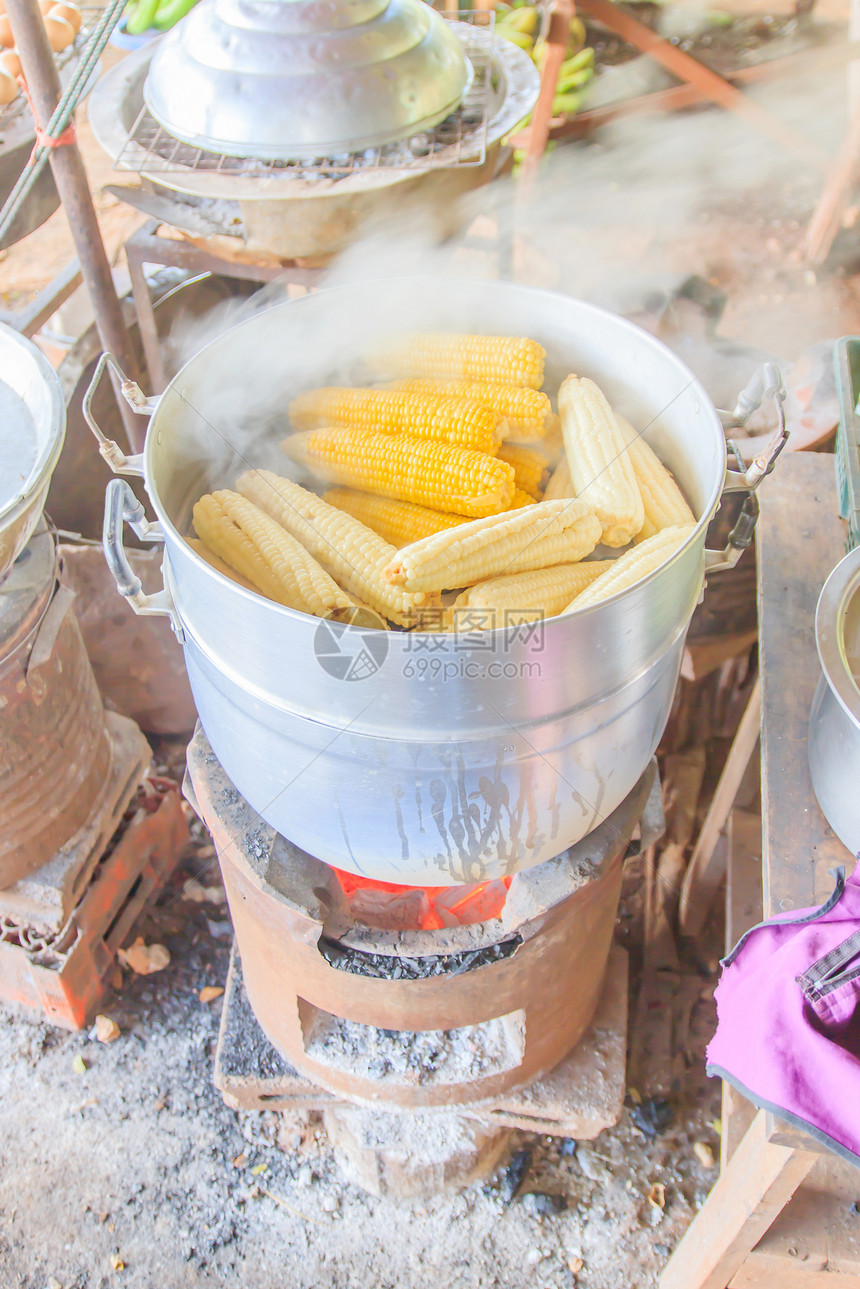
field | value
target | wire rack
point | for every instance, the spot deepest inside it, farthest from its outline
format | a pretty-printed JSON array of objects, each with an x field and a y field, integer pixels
[{"x": 459, "y": 140}]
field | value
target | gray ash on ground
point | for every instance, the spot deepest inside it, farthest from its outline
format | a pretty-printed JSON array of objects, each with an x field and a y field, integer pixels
[
  {"x": 245, "y": 1050},
  {"x": 386, "y": 966}
]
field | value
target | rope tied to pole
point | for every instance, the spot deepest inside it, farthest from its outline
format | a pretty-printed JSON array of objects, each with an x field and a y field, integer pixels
[{"x": 43, "y": 138}]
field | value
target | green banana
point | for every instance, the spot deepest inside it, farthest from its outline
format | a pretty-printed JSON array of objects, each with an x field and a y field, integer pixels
[
  {"x": 170, "y": 11},
  {"x": 141, "y": 17},
  {"x": 516, "y": 38},
  {"x": 524, "y": 20},
  {"x": 566, "y": 104},
  {"x": 573, "y": 80}
]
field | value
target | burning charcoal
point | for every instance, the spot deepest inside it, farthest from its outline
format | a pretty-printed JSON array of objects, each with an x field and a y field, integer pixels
[
  {"x": 652, "y": 1116},
  {"x": 514, "y": 1175},
  {"x": 543, "y": 1203},
  {"x": 567, "y": 1146}
]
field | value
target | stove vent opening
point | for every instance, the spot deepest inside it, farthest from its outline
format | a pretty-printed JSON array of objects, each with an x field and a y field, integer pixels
[{"x": 413, "y": 1058}]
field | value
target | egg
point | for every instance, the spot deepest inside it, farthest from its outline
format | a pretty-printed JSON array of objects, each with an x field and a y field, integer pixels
[
  {"x": 8, "y": 88},
  {"x": 45, "y": 6},
  {"x": 7, "y": 40},
  {"x": 70, "y": 12},
  {"x": 10, "y": 63},
  {"x": 60, "y": 32}
]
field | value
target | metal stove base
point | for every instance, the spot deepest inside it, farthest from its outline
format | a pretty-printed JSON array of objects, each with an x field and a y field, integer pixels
[{"x": 581, "y": 1097}]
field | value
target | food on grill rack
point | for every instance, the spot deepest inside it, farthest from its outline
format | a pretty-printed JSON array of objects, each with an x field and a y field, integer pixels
[
  {"x": 261, "y": 550},
  {"x": 398, "y": 522},
  {"x": 519, "y": 597},
  {"x": 442, "y": 476},
  {"x": 529, "y": 467},
  {"x": 633, "y": 565},
  {"x": 663, "y": 501},
  {"x": 346, "y": 548},
  {"x": 426, "y": 416},
  {"x": 600, "y": 469},
  {"x": 526, "y": 412},
  {"x": 504, "y": 360},
  {"x": 551, "y": 532},
  {"x": 8, "y": 88},
  {"x": 216, "y": 562}
]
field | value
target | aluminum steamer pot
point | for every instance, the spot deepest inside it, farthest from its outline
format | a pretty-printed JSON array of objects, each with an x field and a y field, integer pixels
[
  {"x": 834, "y": 719},
  {"x": 439, "y": 760}
]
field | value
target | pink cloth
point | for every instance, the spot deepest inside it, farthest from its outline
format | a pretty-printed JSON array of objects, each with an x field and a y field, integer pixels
[{"x": 788, "y": 1018}]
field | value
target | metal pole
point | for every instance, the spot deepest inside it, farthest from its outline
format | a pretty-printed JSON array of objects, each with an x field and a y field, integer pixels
[{"x": 43, "y": 82}]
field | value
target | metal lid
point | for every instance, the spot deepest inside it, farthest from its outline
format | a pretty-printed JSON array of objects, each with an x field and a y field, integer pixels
[
  {"x": 837, "y": 632},
  {"x": 26, "y": 590},
  {"x": 295, "y": 79}
]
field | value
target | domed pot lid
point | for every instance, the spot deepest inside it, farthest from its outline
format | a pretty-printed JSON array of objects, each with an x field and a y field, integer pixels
[{"x": 295, "y": 79}]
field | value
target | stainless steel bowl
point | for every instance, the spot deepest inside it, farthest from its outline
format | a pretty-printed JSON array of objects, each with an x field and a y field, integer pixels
[
  {"x": 294, "y": 79},
  {"x": 32, "y": 429},
  {"x": 834, "y": 719}
]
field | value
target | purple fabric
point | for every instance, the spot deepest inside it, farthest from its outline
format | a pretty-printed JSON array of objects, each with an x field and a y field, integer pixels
[{"x": 788, "y": 1019}]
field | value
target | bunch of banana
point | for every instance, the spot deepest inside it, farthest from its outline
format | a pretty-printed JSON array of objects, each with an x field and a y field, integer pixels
[
  {"x": 158, "y": 15},
  {"x": 520, "y": 23}
]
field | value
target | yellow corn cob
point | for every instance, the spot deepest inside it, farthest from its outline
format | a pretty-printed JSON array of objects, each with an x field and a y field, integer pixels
[
  {"x": 600, "y": 469},
  {"x": 398, "y": 522},
  {"x": 502, "y": 360},
  {"x": 219, "y": 564},
  {"x": 442, "y": 476},
  {"x": 529, "y": 467},
  {"x": 663, "y": 501},
  {"x": 633, "y": 565},
  {"x": 346, "y": 548},
  {"x": 250, "y": 540},
  {"x": 559, "y": 482},
  {"x": 393, "y": 411},
  {"x": 526, "y": 412},
  {"x": 540, "y": 593},
  {"x": 521, "y": 499},
  {"x": 550, "y": 532}
]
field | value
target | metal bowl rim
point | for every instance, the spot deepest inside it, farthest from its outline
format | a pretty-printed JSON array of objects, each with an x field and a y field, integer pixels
[
  {"x": 43, "y": 466},
  {"x": 842, "y": 584}
]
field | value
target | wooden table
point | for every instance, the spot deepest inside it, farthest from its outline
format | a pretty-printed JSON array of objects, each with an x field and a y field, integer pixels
[{"x": 780, "y": 1214}]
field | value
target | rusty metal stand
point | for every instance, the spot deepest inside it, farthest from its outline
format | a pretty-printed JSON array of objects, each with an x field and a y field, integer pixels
[
  {"x": 70, "y": 176},
  {"x": 144, "y": 247}
]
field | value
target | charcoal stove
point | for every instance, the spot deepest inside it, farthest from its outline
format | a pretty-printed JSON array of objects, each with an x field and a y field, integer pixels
[
  {"x": 239, "y": 179},
  {"x": 481, "y": 1007}
]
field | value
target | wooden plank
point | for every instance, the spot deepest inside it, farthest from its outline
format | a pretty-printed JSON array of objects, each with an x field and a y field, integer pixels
[
  {"x": 757, "y": 1184},
  {"x": 769, "y": 1273},
  {"x": 743, "y": 910},
  {"x": 800, "y": 538},
  {"x": 705, "y": 869}
]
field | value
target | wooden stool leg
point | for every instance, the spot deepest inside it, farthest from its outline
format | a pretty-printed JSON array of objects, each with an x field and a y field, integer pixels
[
  {"x": 752, "y": 1190},
  {"x": 704, "y": 873}
]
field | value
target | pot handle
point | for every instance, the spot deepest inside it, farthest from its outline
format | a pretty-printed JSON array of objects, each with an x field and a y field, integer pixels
[
  {"x": 766, "y": 383},
  {"x": 121, "y": 505},
  {"x": 118, "y": 461}
]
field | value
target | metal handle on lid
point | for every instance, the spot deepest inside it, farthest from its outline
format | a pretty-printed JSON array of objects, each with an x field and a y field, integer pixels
[
  {"x": 122, "y": 506},
  {"x": 118, "y": 460}
]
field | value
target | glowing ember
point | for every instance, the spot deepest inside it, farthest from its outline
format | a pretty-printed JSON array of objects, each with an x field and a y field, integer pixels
[{"x": 422, "y": 908}]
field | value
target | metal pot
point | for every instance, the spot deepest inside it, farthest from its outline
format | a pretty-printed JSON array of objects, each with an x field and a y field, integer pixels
[
  {"x": 449, "y": 759},
  {"x": 834, "y": 719},
  {"x": 32, "y": 429}
]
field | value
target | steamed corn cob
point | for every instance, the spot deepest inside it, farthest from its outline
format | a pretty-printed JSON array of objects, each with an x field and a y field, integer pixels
[
  {"x": 526, "y": 412},
  {"x": 542, "y": 592},
  {"x": 503, "y": 360},
  {"x": 529, "y": 467},
  {"x": 550, "y": 532},
  {"x": 442, "y": 476},
  {"x": 346, "y": 548},
  {"x": 521, "y": 499},
  {"x": 633, "y": 565},
  {"x": 398, "y": 522},
  {"x": 559, "y": 484},
  {"x": 600, "y": 469},
  {"x": 426, "y": 416},
  {"x": 663, "y": 501},
  {"x": 552, "y": 443},
  {"x": 251, "y": 541},
  {"x": 220, "y": 565}
]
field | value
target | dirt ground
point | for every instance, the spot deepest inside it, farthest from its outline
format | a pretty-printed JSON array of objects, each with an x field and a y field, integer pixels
[{"x": 131, "y": 1171}]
